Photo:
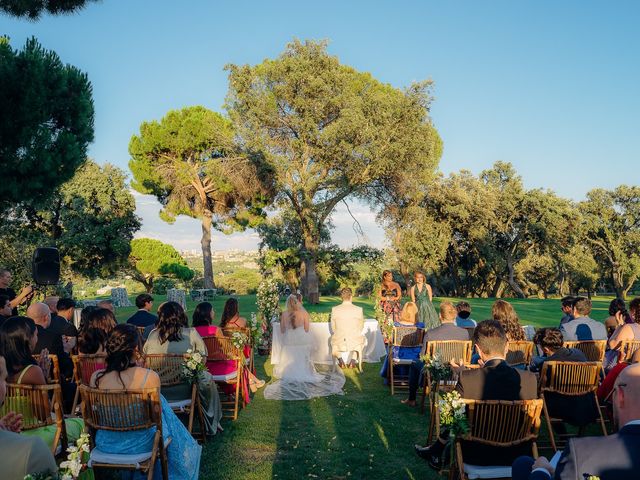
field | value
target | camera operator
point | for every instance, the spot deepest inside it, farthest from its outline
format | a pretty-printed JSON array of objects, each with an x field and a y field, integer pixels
[{"x": 14, "y": 299}]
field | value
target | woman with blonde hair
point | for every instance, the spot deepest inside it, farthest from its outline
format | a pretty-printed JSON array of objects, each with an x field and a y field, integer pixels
[
  {"x": 422, "y": 294},
  {"x": 408, "y": 316},
  {"x": 506, "y": 315}
]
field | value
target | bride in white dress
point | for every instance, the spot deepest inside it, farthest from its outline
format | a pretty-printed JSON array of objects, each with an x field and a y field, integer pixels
[{"x": 295, "y": 376}]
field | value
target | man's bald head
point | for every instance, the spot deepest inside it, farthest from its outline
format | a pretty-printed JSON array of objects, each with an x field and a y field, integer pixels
[
  {"x": 52, "y": 303},
  {"x": 626, "y": 401},
  {"x": 39, "y": 312}
]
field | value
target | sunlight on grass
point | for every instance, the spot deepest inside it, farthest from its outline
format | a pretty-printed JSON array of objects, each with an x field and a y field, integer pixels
[
  {"x": 355, "y": 379},
  {"x": 409, "y": 474},
  {"x": 381, "y": 435}
]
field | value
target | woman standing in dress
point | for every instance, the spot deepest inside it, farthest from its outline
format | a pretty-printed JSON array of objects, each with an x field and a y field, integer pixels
[
  {"x": 422, "y": 295},
  {"x": 390, "y": 295}
]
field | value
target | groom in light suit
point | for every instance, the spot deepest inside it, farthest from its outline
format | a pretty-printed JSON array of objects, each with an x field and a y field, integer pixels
[{"x": 347, "y": 322}]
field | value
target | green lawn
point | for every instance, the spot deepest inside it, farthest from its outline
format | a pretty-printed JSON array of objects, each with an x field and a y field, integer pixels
[{"x": 362, "y": 435}]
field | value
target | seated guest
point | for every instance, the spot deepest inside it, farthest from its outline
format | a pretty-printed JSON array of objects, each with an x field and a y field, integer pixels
[
  {"x": 408, "y": 316},
  {"x": 18, "y": 336},
  {"x": 576, "y": 410},
  {"x": 21, "y": 454},
  {"x": 173, "y": 335},
  {"x": 347, "y": 323},
  {"x": 99, "y": 325},
  {"x": 628, "y": 324},
  {"x": 446, "y": 331},
  {"x": 606, "y": 387},
  {"x": 122, "y": 373},
  {"x": 108, "y": 304},
  {"x": 49, "y": 340},
  {"x": 496, "y": 380},
  {"x": 143, "y": 317},
  {"x": 582, "y": 327},
  {"x": 551, "y": 343},
  {"x": 231, "y": 317},
  {"x": 463, "y": 319},
  {"x": 567, "y": 309},
  {"x": 84, "y": 317},
  {"x": 504, "y": 313},
  {"x": 5, "y": 308},
  {"x": 611, "y": 457},
  {"x": 63, "y": 321},
  {"x": 202, "y": 319},
  {"x": 618, "y": 316}
]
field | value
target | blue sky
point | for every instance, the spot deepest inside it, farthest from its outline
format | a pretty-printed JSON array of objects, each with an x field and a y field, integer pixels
[{"x": 550, "y": 86}]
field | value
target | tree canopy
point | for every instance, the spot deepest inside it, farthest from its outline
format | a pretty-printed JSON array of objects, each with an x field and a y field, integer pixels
[
  {"x": 46, "y": 122},
  {"x": 190, "y": 161},
  {"x": 150, "y": 259},
  {"x": 32, "y": 9},
  {"x": 328, "y": 132}
]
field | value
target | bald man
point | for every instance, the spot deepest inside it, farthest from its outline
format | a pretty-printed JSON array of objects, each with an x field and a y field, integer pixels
[
  {"x": 39, "y": 312},
  {"x": 612, "y": 457}
]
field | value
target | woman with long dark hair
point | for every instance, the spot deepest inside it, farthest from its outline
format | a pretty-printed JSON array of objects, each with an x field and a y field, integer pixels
[
  {"x": 173, "y": 335},
  {"x": 95, "y": 331},
  {"x": 202, "y": 320},
  {"x": 123, "y": 373},
  {"x": 231, "y": 315},
  {"x": 18, "y": 337}
]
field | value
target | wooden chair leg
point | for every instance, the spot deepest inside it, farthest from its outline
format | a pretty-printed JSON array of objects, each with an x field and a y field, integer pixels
[
  {"x": 549, "y": 426},
  {"x": 604, "y": 428},
  {"x": 194, "y": 393},
  {"x": 391, "y": 374}
]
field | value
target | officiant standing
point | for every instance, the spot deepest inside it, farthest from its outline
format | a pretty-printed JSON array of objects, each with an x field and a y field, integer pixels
[{"x": 347, "y": 323}]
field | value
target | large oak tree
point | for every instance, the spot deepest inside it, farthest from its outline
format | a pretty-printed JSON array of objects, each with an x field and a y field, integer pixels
[{"x": 329, "y": 132}]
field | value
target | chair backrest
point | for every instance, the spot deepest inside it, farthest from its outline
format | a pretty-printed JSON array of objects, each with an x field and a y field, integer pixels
[
  {"x": 519, "y": 352},
  {"x": 503, "y": 423},
  {"x": 627, "y": 349},
  {"x": 570, "y": 378},
  {"x": 34, "y": 403},
  {"x": 221, "y": 349},
  {"x": 228, "y": 331},
  {"x": 141, "y": 331},
  {"x": 121, "y": 410},
  {"x": 592, "y": 349},
  {"x": 168, "y": 367},
  {"x": 407, "y": 336},
  {"x": 54, "y": 373},
  {"x": 450, "y": 350},
  {"x": 85, "y": 365}
]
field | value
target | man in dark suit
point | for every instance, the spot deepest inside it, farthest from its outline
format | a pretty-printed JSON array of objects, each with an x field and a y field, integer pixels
[
  {"x": 496, "y": 380},
  {"x": 447, "y": 330},
  {"x": 61, "y": 317},
  {"x": 612, "y": 457},
  {"x": 142, "y": 318}
]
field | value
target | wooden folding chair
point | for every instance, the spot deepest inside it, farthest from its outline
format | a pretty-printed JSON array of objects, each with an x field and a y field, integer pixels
[
  {"x": 571, "y": 379},
  {"x": 627, "y": 349},
  {"x": 40, "y": 406},
  {"x": 447, "y": 351},
  {"x": 124, "y": 411},
  {"x": 169, "y": 369},
  {"x": 592, "y": 349},
  {"x": 84, "y": 366},
  {"x": 499, "y": 424},
  {"x": 141, "y": 331},
  {"x": 249, "y": 360},
  {"x": 402, "y": 337},
  {"x": 53, "y": 375},
  {"x": 519, "y": 353},
  {"x": 222, "y": 350}
]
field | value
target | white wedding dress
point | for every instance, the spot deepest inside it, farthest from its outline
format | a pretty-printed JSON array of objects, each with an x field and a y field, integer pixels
[{"x": 295, "y": 376}]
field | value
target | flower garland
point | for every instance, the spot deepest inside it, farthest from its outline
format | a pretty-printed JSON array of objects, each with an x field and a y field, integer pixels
[
  {"x": 268, "y": 302},
  {"x": 437, "y": 370},
  {"x": 385, "y": 322},
  {"x": 193, "y": 366},
  {"x": 452, "y": 414},
  {"x": 256, "y": 329}
]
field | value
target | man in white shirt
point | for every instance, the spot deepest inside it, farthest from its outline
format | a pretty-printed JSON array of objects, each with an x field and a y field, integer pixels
[
  {"x": 347, "y": 323},
  {"x": 612, "y": 457}
]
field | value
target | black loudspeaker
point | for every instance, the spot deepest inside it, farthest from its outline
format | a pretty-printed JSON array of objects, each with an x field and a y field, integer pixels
[{"x": 45, "y": 266}]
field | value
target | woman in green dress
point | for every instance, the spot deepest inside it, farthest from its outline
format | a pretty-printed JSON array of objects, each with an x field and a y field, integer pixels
[{"x": 422, "y": 295}]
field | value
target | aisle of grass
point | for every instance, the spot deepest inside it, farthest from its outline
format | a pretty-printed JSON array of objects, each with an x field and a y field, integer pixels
[{"x": 363, "y": 434}]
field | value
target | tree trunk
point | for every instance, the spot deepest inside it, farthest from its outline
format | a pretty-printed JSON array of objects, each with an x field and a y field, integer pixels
[
  {"x": 311, "y": 285},
  {"x": 511, "y": 279},
  {"x": 495, "y": 291},
  {"x": 628, "y": 286},
  {"x": 206, "y": 251}
]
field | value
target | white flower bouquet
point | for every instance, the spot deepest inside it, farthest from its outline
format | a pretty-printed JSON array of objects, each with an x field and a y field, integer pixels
[
  {"x": 72, "y": 467},
  {"x": 193, "y": 366},
  {"x": 239, "y": 339}
]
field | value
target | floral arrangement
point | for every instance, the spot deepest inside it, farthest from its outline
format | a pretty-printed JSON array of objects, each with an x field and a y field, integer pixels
[
  {"x": 320, "y": 317},
  {"x": 193, "y": 366},
  {"x": 256, "y": 329},
  {"x": 437, "y": 369},
  {"x": 384, "y": 321},
  {"x": 72, "y": 467},
  {"x": 239, "y": 339},
  {"x": 268, "y": 302},
  {"x": 452, "y": 411}
]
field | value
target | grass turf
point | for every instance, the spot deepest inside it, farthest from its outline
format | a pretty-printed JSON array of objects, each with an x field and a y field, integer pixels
[{"x": 364, "y": 434}]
